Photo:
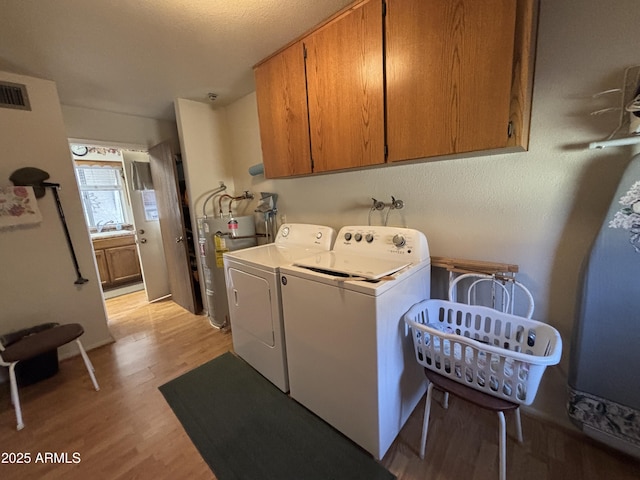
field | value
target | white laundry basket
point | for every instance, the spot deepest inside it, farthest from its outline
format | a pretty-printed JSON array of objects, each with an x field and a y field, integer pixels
[{"x": 496, "y": 353}]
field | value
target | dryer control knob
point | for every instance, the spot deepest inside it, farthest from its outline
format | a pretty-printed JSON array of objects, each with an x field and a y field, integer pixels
[
  {"x": 369, "y": 237},
  {"x": 399, "y": 241},
  {"x": 347, "y": 236},
  {"x": 358, "y": 237}
]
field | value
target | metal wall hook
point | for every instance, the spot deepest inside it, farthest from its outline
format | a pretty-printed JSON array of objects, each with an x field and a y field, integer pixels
[
  {"x": 377, "y": 205},
  {"x": 396, "y": 204},
  {"x": 380, "y": 205}
]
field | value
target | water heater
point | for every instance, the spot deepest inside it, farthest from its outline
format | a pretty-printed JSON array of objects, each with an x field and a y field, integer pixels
[{"x": 215, "y": 238}]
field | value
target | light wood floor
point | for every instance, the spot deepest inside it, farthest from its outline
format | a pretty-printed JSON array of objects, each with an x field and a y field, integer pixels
[{"x": 127, "y": 430}]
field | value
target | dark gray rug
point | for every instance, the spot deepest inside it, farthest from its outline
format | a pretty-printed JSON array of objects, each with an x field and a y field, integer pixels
[{"x": 247, "y": 429}]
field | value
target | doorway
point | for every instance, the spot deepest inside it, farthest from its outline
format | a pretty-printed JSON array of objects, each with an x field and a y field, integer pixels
[{"x": 121, "y": 217}]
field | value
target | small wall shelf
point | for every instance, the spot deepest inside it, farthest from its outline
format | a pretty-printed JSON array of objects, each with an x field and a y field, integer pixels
[{"x": 616, "y": 142}]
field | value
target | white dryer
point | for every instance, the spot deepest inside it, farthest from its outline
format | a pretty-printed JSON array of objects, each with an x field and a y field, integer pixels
[
  {"x": 253, "y": 289},
  {"x": 350, "y": 360}
]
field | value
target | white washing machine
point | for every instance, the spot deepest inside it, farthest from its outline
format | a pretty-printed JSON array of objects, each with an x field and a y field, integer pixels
[
  {"x": 350, "y": 359},
  {"x": 253, "y": 290}
]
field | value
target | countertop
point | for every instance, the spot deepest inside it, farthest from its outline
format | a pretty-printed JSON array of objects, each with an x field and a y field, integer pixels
[{"x": 112, "y": 234}]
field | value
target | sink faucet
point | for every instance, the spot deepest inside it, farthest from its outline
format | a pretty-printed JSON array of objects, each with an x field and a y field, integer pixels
[{"x": 102, "y": 223}]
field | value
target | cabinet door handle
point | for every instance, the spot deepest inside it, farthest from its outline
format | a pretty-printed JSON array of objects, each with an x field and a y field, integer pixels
[
  {"x": 179, "y": 239},
  {"x": 143, "y": 240}
]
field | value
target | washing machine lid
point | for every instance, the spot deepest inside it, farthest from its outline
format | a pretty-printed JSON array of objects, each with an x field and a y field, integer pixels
[
  {"x": 349, "y": 265},
  {"x": 270, "y": 256}
]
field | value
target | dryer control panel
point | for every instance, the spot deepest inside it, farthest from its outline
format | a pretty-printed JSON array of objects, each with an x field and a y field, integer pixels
[{"x": 305, "y": 235}]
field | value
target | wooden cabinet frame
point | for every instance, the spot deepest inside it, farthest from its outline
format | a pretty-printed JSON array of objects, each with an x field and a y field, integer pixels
[{"x": 523, "y": 69}]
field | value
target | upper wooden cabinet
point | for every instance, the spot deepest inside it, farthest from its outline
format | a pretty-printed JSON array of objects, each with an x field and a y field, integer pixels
[
  {"x": 417, "y": 78},
  {"x": 321, "y": 100},
  {"x": 449, "y": 67},
  {"x": 345, "y": 90},
  {"x": 282, "y": 110}
]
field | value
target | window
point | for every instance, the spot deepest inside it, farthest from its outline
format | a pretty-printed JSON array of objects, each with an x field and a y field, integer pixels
[{"x": 103, "y": 196}]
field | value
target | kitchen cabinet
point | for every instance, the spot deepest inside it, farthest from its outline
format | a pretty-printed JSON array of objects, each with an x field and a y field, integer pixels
[
  {"x": 117, "y": 260},
  {"x": 282, "y": 110},
  {"x": 103, "y": 269},
  {"x": 449, "y": 68},
  {"x": 321, "y": 99},
  {"x": 387, "y": 81},
  {"x": 345, "y": 90}
]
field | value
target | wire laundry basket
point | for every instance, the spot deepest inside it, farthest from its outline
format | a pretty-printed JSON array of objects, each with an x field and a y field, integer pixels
[{"x": 496, "y": 353}]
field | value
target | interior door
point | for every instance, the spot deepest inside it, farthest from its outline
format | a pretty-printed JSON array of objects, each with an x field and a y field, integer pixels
[
  {"x": 172, "y": 225},
  {"x": 148, "y": 235}
]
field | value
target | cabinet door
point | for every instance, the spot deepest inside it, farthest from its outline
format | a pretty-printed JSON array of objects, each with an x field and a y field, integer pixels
[
  {"x": 282, "y": 111},
  {"x": 345, "y": 90},
  {"x": 123, "y": 264},
  {"x": 449, "y": 68},
  {"x": 103, "y": 270}
]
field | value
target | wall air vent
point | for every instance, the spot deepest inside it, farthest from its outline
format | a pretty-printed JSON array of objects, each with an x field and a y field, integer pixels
[{"x": 14, "y": 95}]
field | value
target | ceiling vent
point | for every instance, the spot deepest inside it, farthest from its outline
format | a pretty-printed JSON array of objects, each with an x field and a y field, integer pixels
[{"x": 14, "y": 95}]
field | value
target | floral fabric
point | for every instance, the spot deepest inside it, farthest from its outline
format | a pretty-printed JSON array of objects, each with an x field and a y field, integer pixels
[
  {"x": 18, "y": 206},
  {"x": 628, "y": 217},
  {"x": 605, "y": 415}
]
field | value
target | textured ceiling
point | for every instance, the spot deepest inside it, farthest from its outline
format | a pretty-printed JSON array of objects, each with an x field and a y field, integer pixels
[{"x": 137, "y": 56}]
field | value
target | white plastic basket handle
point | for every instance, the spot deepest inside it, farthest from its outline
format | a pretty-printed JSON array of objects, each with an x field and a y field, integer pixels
[
  {"x": 482, "y": 277},
  {"x": 552, "y": 353}
]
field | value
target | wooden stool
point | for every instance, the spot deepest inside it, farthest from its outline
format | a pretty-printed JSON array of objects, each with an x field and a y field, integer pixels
[
  {"x": 37, "y": 344},
  {"x": 478, "y": 398}
]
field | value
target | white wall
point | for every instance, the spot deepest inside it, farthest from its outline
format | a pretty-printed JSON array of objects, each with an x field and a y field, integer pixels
[
  {"x": 539, "y": 209},
  {"x": 202, "y": 131},
  {"x": 118, "y": 129},
  {"x": 37, "y": 273}
]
